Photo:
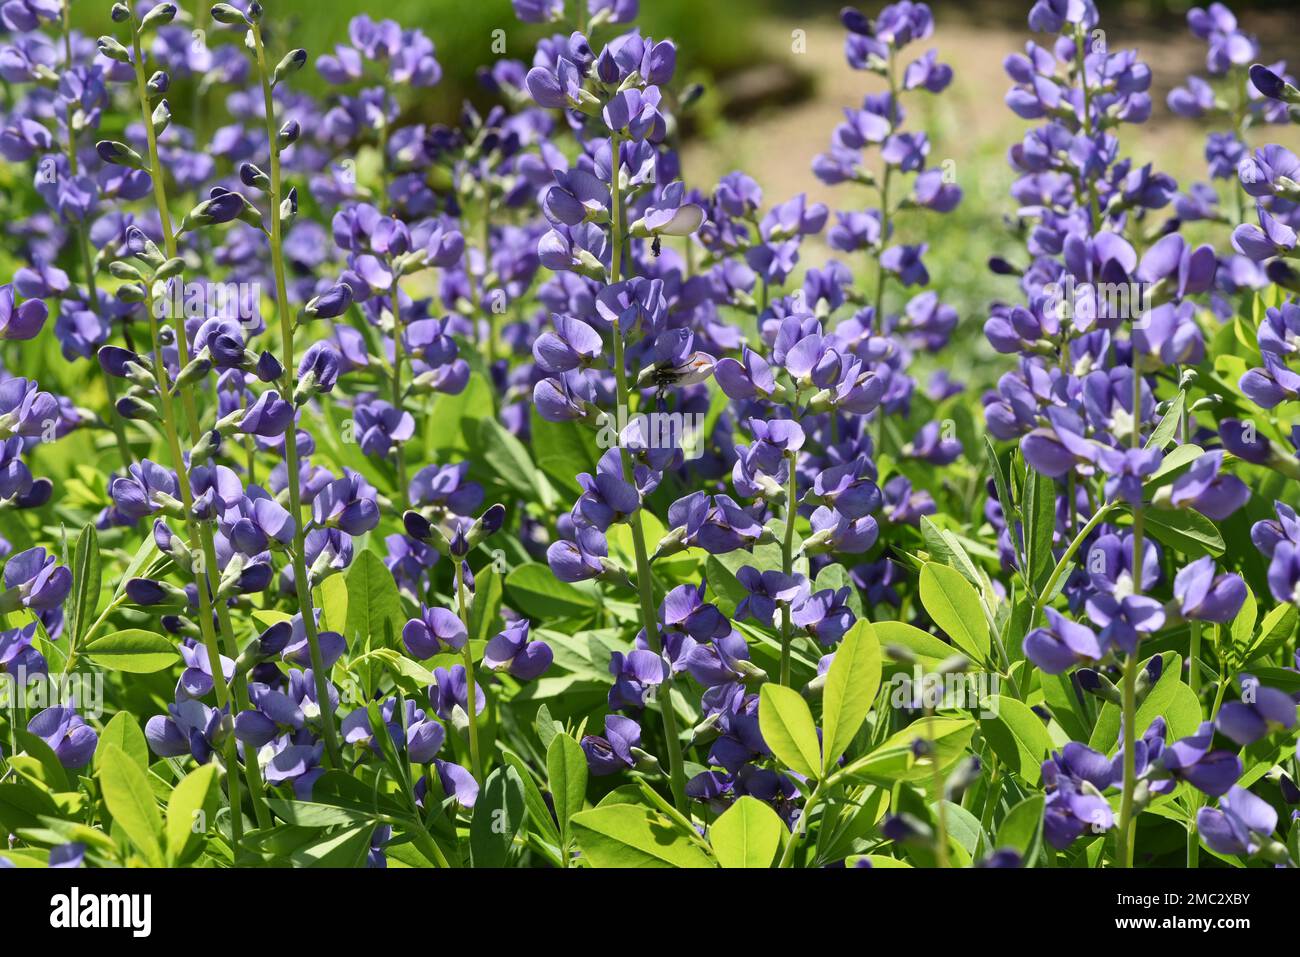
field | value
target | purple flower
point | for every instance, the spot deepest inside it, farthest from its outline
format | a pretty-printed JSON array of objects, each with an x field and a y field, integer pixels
[
  {"x": 1190, "y": 759},
  {"x": 1203, "y": 596},
  {"x": 381, "y": 427},
  {"x": 347, "y": 504},
  {"x": 450, "y": 692},
  {"x": 1241, "y": 824},
  {"x": 17, "y": 655},
  {"x": 270, "y": 416},
  {"x": 25, "y": 410},
  {"x": 1259, "y": 712},
  {"x": 425, "y": 636},
  {"x": 66, "y": 732},
  {"x": 1062, "y": 645},
  {"x": 635, "y": 674},
  {"x": 580, "y": 559},
  {"x": 512, "y": 651},
  {"x": 20, "y": 322},
  {"x": 35, "y": 580},
  {"x": 905, "y": 262},
  {"x": 1125, "y": 620},
  {"x": 766, "y": 591},
  {"x": 613, "y": 752}
]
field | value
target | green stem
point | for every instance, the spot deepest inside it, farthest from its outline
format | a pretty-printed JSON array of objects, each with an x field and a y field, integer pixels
[
  {"x": 83, "y": 246},
  {"x": 941, "y": 813},
  {"x": 205, "y": 597},
  {"x": 1127, "y": 825},
  {"x": 302, "y": 583},
  {"x": 1070, "y": 552},
  {"x": 1126, "y": 822},
  {"x": 993, "y": 797},
  {"x": 489, "y": 313},
  {"x": 787, "y": 567},
  {"x": 399, "y": 356},
  {"x": 801, "y": 830},
  {"x": 1194, "y": 674},
  {"x": 1081, "y": 68},
  {"x": 471, "y": 692},
  {"x": 644, "y": 580},
  {"x": 1194, "y": 796},
  {"x": 207, "y": 576}
]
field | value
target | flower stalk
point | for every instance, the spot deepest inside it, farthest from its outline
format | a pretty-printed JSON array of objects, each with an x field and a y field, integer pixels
[{"x": 302, "y": 580}]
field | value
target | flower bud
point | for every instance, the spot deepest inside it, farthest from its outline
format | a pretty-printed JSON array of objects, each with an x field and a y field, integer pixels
[
  {"x": 1095, "y": 683},
  {"x": 129, "y": 407},
  {"x": 227, "y": 14},
  {"x": 159, "y": 16},
  {"x": 162, "y": 117},
  {"x": 293, "y": 61},
  {"x": 119, "y": 154},
  {"x": 196, "y": 371},
  {"x": 113, "y": 50},
  {"x": 150, "y": 593}
]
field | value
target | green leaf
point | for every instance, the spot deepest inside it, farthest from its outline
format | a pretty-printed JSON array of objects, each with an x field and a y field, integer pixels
[
  {"x": 47, "y": 766},
  {"x": 539, "y": 812},
  {"x": 1177, "y": 460},
  {"x": 895, "y": 761},
  {"x": 1241, "y": 633},
  {"x": 921, "y": 644},
  {"x": 130, "y": 800},
  {"x": 955, "y": 607},
  {"x": 563, "y": 449},
  {"x": 1017, "y": 736},
  {"x": 533, "y": 587},
  {"x": 374, "y": 604},
  {"x": 333, "y": 602},
  {"x": 1274, "y": 631},
  {"x": 506, "y": 459},
  {"x": 485, "y": 610},
  {"x": 1000, "y": 484},
  {"x": 123, "y": 730},
  {"x": 86, "y": 582},
  {"x": 345, "y": 849},
  {"x": 309, "y": 814},
  {"x": 22, "y": 805},
  {"x": 1164, "y": 432},
  {"x": 1040, "y": 526},
  {"x": 748, "y": 834},
  {"x": 499, "y": 813},
  {"x": 727, "y": 590},
  {"x": 631, "y": 835},
  {"x": 191, "y": 804},
  {"x": 1186, "y": 530},
  {"x": 851, "y": 687},
  {"x": 566, "y": 769},
  {"x": 133, "y": 651},
  {"x": 1158, "y": 701},
  {"x": 1022, "y": 828},
  {"x": 787, "y": 726},
  {"x": 453, "y": 415}
]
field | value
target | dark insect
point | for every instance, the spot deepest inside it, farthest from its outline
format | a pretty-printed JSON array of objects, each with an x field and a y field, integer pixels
[{"x": 657, "y": 247}]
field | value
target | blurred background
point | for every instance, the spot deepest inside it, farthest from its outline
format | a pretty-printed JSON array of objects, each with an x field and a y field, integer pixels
[{"x": 777, "y": 83}]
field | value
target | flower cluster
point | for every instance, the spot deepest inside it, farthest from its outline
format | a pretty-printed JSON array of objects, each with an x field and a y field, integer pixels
[{"x": 484, "y": 491}]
